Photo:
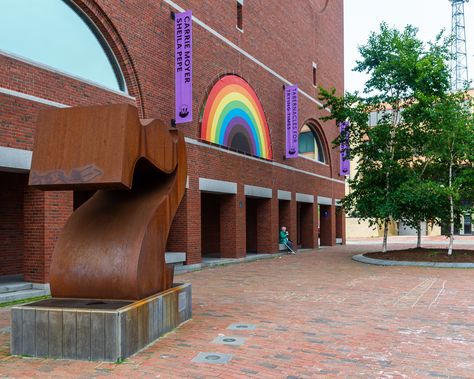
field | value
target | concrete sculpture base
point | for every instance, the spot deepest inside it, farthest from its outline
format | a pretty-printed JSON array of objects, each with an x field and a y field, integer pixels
[{"x": 98, "y": 330}]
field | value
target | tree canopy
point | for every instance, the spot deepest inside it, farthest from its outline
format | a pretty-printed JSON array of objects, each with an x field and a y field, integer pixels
[{"x": 395, "y": 130}]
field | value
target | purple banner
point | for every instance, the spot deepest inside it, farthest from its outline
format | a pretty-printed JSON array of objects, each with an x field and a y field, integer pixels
[
  {"x": 291, "y": 109},
  {"x": 183, "y": 55},
  {"x": 345, "y": 163}
]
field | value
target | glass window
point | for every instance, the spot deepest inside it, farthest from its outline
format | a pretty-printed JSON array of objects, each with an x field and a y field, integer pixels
[
  {"x": 309, "y": 144},
  {"x": 56, "y": 33},
  {"x": 240, "y": 16},
  {"x": 315, "y": 74}
]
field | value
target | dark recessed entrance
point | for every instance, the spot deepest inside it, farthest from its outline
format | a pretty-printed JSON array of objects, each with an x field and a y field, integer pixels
[
  {"x": 325, "y": 225},
  {"x": 305, "y": 225},
  {"x": 210, "y": 225}
]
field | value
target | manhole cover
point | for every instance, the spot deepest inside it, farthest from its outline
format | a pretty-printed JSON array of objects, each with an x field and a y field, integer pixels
[
  {"x": 212, "y": 358},
  {"x": 229, "y": 340}
]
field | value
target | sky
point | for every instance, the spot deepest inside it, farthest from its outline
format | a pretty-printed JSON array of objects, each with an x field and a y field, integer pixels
[{"x": 430, "y": 16}]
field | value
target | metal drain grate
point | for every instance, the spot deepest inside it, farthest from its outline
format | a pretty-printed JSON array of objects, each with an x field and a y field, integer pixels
[
  {"x": 241, "y": 327},
  {"x": 229, "y": 340},
  {"x": 212, "y": 358}
]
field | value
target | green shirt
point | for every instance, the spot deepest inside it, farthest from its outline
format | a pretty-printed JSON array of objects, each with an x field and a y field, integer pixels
[{"x": 283, "y": 237}]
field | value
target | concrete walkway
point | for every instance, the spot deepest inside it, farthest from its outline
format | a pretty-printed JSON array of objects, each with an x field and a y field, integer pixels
[{"x": 316, "y": 314}]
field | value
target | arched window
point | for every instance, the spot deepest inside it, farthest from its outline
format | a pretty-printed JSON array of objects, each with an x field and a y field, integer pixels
[
  {"x": 310, "y": 144},
  {"x": 58, "y": 34}
]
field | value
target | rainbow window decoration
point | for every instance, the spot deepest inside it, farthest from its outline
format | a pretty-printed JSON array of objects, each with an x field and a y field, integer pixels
[{"x": 233, "y": 117}]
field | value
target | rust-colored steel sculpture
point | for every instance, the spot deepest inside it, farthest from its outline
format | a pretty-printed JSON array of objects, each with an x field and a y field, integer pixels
[{"x": 113, "y": 245}]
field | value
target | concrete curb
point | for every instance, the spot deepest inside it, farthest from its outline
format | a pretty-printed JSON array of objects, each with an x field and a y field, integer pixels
[
  {"x": 224, "y": 262},
  {"x": 384, "y": 262}
]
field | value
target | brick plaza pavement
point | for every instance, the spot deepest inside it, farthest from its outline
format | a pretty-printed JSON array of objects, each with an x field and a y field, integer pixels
[{"x": 317, "y": 314}]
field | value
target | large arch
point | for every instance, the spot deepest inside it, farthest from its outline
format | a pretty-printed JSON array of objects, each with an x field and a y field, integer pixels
[
  {"x": 74, "y": 37},
  {"x": 232, "y": 116},
  {"x": 118, "y": 47}
]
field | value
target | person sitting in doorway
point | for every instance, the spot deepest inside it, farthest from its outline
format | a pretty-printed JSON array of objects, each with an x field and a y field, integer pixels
[{"x": 284, "y": 240}]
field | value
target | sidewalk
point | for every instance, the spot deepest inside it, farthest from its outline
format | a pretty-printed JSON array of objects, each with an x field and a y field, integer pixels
[{"x": 317, "y": 314}]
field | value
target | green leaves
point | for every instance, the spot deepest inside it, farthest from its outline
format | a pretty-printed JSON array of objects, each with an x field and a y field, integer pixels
[{"x": 406, "y": 131}]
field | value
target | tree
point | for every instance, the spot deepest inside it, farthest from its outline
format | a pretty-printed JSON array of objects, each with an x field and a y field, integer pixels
[
  {"x": 418, "y": 200},
  {"x": 402, "y": 70},
  {"x": 450, "y": 125}
]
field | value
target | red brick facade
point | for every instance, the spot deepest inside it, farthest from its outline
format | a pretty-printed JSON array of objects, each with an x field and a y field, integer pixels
[{"x": 286, "y": 38}]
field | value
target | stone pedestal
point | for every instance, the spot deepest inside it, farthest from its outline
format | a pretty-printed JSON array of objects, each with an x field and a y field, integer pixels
[{"x": 98, "y": 330}]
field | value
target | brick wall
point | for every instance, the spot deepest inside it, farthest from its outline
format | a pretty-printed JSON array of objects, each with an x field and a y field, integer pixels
[
  {"x": 285, "y": 37},
  {"x": 177, "y": 238}
]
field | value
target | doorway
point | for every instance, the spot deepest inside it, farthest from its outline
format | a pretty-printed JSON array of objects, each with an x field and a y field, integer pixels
[
  {"x": 210, "y": 225},
  {"x": 305, "y": 225}
]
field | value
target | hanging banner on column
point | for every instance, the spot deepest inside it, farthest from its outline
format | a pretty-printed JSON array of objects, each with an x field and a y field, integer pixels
[
  {"x": 291, "y": 112},
  {"x": 183, "y": 55},
  {"x": 345, "y": 163}
]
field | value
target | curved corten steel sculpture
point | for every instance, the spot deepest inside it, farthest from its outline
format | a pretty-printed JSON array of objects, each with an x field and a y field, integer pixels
[{"x": 113, "y": 245}]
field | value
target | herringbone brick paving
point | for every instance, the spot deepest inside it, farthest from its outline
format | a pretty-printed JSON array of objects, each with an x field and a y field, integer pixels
[{"x": 317, "y": 314}]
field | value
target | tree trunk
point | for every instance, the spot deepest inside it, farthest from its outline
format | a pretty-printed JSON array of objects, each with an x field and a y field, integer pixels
[
  {"x": 451, "y": 209},
  {"x": 385, "y": 236},
  {"x": 451, "y": 228},
  {"x": 388, "y": 172},
  {"x": 418, "y": 240}
]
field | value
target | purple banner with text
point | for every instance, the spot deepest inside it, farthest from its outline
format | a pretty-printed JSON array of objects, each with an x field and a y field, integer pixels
[
  {"x": 345, "y": 163},
  {"x": 291, "y": 117},
  {"x": 183, "y": 55}
]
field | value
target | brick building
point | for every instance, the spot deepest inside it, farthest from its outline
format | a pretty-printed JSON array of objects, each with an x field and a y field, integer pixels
[{"x": 240, "y": 189}]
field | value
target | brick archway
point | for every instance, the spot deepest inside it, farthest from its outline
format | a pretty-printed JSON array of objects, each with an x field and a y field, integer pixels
[{"x": 103, "y": 23}]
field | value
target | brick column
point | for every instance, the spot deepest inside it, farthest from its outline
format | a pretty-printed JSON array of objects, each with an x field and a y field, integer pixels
[
  {"x": 292, "y": 225},
  {"x": 344, "y": 232},
  {"x": 340, "y": 224},
  {"x": 45, "y": 214},
  {"x": 287, "y": 217},
  {"x": 267, "y": 226},
  {"x": 193, "y": 222},
  {"x": 316, "y": 224},
  {"x": 178, "y": 235},
  {"x": 333, "y": 224},
  {"x": 232, "y": 225}
]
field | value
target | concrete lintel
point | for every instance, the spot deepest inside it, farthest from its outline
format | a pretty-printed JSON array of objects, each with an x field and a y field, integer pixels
[
  {"x": 284, "y": 195},
  {"x": 175, "y": 257},
  {"x": 12, "y": 159},
  {"x": 255, "y": 191},
  {"x": 324, "y": 200},
  {"x": 217, "y": 186},
  {"x": 304, "y": 198}
]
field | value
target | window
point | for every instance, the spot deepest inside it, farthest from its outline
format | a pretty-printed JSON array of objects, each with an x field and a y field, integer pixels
[
  {"x": 58, "y": 34},
  {"x": 240, "y": 20},
  {"x": 315, "y": 70},
  {"x": 309, "y": 144}
]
